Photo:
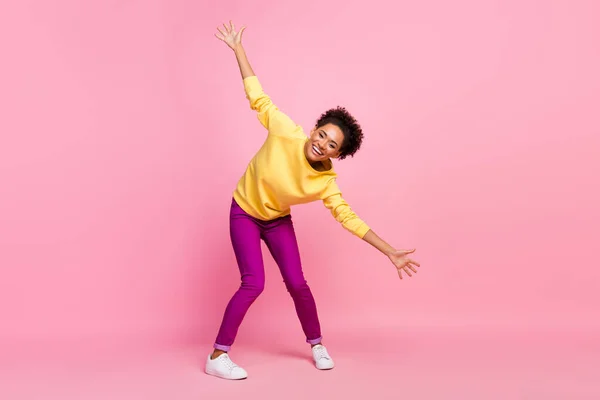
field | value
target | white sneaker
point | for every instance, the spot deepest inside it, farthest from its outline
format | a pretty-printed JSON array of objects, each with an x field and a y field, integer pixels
[
  {"x": 322, "y": 358},
  {"x": 223, "y": 367}
]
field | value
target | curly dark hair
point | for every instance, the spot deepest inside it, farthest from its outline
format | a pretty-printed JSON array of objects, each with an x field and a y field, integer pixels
[{"x": 352, "y": 131}]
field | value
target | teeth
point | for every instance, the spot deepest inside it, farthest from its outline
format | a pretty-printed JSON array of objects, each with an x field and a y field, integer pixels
[{"x": 317, "y": 150}]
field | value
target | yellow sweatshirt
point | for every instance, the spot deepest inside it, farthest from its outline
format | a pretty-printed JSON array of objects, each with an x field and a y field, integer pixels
[{"x": 279, "y": 175}]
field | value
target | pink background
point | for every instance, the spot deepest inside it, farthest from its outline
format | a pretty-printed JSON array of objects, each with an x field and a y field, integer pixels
[{"x": 125, "y": 129}]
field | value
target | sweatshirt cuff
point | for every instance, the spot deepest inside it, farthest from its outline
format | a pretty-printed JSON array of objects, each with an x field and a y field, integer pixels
[
  {"x": 252, "y": 87},
  {"x": 251, "y": 82},
  {"x": 362, "y": 230}
]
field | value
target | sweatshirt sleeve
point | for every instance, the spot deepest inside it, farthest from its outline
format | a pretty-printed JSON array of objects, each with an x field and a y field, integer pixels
[
  {"x": 268, "y": 113},
  {"x": 341, "y": 211}
]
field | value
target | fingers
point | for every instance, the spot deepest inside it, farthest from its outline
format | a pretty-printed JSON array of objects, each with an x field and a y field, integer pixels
[
  {"x": 229, "y": 29},
  {"x": 407, "y": 272},
  {"x": 414, "y": 262},
  {"x": 411, "y": 264},
  {"x": 406, "y": 268},
  {"x": 242, "y": 31}
]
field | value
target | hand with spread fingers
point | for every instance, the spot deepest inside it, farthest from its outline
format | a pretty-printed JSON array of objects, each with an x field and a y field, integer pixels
[
  {"x": 232, "y": 38},
  {"x": 402, "y": 263}
]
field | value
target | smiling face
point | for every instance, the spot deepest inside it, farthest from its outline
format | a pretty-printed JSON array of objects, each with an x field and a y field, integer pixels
[{"x": 324, "y": 143}]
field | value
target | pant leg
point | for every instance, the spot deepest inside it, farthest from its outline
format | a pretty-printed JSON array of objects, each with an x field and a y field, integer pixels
[
  {"x": 280, "y": 238},
  {"x": 245, "y": 236}
]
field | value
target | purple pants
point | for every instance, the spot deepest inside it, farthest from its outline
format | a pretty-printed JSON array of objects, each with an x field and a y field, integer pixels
[{"x": 246, "y": 233}]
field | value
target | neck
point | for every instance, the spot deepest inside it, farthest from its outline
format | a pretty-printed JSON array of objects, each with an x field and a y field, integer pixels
[{"x": 321, "y": 165}]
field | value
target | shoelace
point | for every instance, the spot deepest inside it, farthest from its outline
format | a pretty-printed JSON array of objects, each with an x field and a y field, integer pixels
[
  {"x": 228, "y": 363},
  {"x": 321, "y": 352}
]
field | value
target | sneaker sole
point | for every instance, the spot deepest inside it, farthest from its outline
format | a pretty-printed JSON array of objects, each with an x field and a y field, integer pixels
[
  {"x": 325, "y": 368},
  {"x": 224, "y": 377}
]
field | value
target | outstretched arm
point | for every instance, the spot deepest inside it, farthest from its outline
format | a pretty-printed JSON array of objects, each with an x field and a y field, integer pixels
[
  {"x": 341, "y": 211},
  {"x": 397, "y": 257},
  {"x": 233, "y": 39}
]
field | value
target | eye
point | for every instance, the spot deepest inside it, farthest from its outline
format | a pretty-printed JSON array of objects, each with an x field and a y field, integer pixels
[
  {"x": 321, "y": 135},
  {"x": 332, "y": 146}
]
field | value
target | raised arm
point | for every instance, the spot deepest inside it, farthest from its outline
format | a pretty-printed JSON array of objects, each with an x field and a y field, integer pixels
[
  {"x": 268, "y": 113},
  {"x": 233, "y": 39}
]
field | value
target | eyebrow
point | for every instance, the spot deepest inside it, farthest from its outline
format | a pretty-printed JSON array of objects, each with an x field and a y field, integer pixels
[{"x": 329, "y": 139}]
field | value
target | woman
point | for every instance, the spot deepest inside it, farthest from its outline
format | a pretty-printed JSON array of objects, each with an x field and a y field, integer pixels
[{"x": 289, "y": 169}]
